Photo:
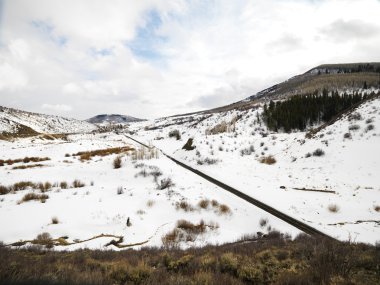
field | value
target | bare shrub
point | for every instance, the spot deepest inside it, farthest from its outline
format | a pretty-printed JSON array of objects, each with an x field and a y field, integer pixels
[
  {"x": 224, "y": 209},
  {"x": 207, "y": 161},
  {"x": 32, "y": 196},
  {"x": 165, "y": 183},
  {"x": 353, "y": 127},
  {"x": 23, "y": 185},
  {"x": 156, "y": 172},
  {"x": 308, "y": 155},
  {"x": 214, "y": 203},
  {"x": 217, "y": 129},
  {"x": 370, "y": 127},
  {"x": 120, "y": 190},
  {"x": 268, "y": 160},
  {"x": 54, "y": 220},
  {"x": 204, "y": 203},
  {"x": 142, "y": 173},
  {"x": 117, "y": 162},
  {"x": 63, "y": 185},
  {"x": 175, "y": 133},
  {"x": 28, "y": 166},
  {"x": 355, "y": 117},
  {"x": 263, "y": 222},
  {"x": 78, "y": 184},
  {"x": 376, "y": 208},
  {"x": 183, "y": 205},
  {"x": 87, "y": 155},
  {"x": 172, "y": 238},
  {"x": 44, "y": 239},
  {"x": 347, "y": 136},
  {"x": 150, "y": 203},
  {"x": 318, "y": 152},
  {"x": 4, "y": 190},
  {"x": 333, "y": 208},
  {"x": 247, "y": 151}
]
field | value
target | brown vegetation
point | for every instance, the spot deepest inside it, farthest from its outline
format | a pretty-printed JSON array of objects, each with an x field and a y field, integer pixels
[
  {"x": 33, "y": 196},
  {"x": 117, "y": 162},
  {"x": 22, "y": 160},
  {"x": 87, "y": 155},
  {"x": 333, "y": 208},
  {"x": 271, "y": 260},
  {"x": 268, "y": 160},
  {"x": 28, "y": 166}
]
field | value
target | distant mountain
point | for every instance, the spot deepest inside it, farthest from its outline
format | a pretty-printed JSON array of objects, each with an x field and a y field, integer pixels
[
  {"x": 15, "y": 122},
  {"x": 113, "y": 119},
  {"x": 350, "y": 77}
]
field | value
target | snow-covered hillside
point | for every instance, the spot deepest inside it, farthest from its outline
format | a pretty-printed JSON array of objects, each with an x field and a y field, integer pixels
[
  {"x": 16, "y": 121},
  {"x": 345, "y": 172},
  {"x": 113, "y": 119}
]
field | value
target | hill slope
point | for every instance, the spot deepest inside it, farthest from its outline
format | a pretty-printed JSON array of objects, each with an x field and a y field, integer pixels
[
  {"x": 22, "y": 123},
  {"x": 113, "y": 119}
]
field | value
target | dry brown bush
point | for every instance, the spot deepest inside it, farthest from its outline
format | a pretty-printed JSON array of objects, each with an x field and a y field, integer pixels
[
  {"x": 78, "y": 184},
  {"x": 268, "y": 160},
  {"x": 224, "y": 209},
  {"x": 183, "y": 205},
  {"x": 32, "y": 196},
  {"x": 117, "y": 162},
  {"x": 87, "y": 155},
  {"x": 204, "y": 203},
  {"x": 333, "y": 208}
]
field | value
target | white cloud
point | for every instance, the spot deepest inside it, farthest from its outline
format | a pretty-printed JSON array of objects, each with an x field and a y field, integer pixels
[
  {"x": 154, "y": 58},
  {"x": 11, "y": 78},
  {"x": 57, "y": 107}
]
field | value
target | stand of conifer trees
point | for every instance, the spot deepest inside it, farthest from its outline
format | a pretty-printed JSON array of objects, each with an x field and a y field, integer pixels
[{"x": 301, "y": 111}]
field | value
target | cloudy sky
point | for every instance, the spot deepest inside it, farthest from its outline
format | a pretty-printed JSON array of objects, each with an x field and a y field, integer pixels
[{"x": 150, "y": 58}]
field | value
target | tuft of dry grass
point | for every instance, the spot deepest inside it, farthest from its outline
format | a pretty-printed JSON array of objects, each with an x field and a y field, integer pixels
[
  {"x": 78, "y": 184},
  {"x": 268, "y": 160},
  {"x": 376, "y": 208},
  {"x": 54, "y": 220},
  {"x": 204, "y": 203},
  {"x": 333, "y": 208},
  {"x": 263, "y": 222},
  {"x": 183, "y": 205},
  {"x": 28, "y": 166},
  {"x": 117, "y": 162},
  {"x": 87, "y": 155},
  {"x": 150, "y": 203},
  {"x": 224, "y": 209},
  {"x": 22, "y": 160},
  {"x": 120, "y": 190},
  {"x": 63, "y": 185},
  {"x": 32, "y": 196},
  {"x": 214, "y": 203}
]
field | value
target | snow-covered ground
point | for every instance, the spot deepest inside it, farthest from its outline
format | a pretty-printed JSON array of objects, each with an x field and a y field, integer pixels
[
  {"x": 347, "y": 205},
  {"x": 97, "y": 208},
  {"x": 350, "y": 165}
]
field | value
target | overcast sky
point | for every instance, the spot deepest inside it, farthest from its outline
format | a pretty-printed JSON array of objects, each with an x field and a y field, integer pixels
[{"x": 151, "y": 58}]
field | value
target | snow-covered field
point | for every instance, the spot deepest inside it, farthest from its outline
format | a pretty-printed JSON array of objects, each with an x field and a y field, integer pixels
[
  {"x": 98, "y": 208},
  {"x": 349, "y": 168},
  {"x": 346, "y": 175}
]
